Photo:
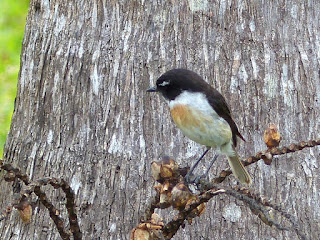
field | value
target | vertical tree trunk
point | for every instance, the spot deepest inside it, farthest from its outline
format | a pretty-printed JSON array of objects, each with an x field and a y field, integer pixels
[{"x": 82, "y": 114}]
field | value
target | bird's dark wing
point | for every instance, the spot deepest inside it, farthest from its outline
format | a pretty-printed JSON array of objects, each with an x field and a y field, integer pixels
[
  {"x": 193, "y": 82},
  {"x": 220, "y": 105}
]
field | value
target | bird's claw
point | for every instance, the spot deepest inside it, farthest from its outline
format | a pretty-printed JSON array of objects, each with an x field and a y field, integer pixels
[{"x": 195, "y": 180}]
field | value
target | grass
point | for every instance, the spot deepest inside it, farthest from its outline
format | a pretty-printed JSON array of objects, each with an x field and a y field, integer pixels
[{"x": 12, "y": 22}]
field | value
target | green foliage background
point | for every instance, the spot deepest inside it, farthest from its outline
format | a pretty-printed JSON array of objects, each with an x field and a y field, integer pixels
[{"x": 12, "y": 22}]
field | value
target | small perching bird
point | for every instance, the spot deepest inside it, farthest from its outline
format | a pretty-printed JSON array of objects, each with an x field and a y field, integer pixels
[{"x": 202, "y": 115}]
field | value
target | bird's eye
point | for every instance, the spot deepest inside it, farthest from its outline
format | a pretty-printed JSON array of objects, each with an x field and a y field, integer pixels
[{"x": 164, "y": 83}]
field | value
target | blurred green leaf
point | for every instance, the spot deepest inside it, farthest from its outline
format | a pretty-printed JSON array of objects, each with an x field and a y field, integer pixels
[{"x": 12, "y": 22}]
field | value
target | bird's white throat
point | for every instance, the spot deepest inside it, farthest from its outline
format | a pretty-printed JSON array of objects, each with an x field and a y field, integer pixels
[{"x": 195, "y": 100}]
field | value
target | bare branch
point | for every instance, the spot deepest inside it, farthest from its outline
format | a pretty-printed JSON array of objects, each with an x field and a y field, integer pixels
[
  {"x": 256, "y": 206},
  {"x": 168, "y": 175},
  {"x": 53, "y": 212},
  {"x": 35, "y": 187},
  {"x": 171, "y": 228},
  {"x": 288, "y": 216},
  {"x": 15, "y": 171},
  {"x": 269, "y": 154}
]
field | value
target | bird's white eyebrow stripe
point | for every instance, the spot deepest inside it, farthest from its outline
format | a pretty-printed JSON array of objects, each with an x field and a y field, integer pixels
[{"x": 164, "y": 83}]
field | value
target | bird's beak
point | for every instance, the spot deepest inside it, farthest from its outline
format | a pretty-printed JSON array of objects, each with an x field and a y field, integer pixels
[{"x": 152, "y": 89}]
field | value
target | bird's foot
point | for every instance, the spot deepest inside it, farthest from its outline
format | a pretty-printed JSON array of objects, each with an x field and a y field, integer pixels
[
  {"x": 198, "y": 184},
  {"x": 191, "y": 179},
  {"x": 199, "y": 179}
]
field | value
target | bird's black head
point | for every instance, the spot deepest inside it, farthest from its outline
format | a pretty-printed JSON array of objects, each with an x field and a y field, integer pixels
[{"x": 175, "y": 81}]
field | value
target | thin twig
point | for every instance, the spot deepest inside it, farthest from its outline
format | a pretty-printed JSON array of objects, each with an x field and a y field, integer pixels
[
  {"x": 171, "y": 228},
  {"x": 269, "y": 154},
  {"x": 255, "y": 205},
  {"x": 35, "y": 186},
  {"x": 16, "y": 171},
  {"x": 288, "y": 216},
  {"x": 70, "y": 205},
  {"x": 53, "y": 212}
]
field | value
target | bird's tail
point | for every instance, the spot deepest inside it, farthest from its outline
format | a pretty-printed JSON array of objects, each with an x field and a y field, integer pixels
[{"x": 239, "y": 170}]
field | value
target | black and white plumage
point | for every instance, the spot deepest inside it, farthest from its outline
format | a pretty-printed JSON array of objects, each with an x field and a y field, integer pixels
[{"x": 202, "y": 115}]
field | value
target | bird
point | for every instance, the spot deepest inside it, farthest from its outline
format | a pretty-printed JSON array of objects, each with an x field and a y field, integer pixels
[{"x": 203, "y": 115}]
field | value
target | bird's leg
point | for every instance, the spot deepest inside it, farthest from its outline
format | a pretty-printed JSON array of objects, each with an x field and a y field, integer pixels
[
  {"x": 205, "y": 175},
  {"x": 188, "y": 175},
  {"x": 211, "y": 164}
]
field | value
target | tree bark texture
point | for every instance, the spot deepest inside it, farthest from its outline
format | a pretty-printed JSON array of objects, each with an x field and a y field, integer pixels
[{"x": 82, "y": 113}]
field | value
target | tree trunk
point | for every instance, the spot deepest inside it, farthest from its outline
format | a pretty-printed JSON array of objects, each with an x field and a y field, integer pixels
[{"x": 82, "y": 114}]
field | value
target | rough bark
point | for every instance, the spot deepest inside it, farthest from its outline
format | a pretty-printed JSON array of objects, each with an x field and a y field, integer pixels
[{"x": 82, "y": 114}]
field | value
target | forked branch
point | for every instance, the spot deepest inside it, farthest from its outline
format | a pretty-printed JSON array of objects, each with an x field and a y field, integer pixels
[{"x": 172, "y": 191}]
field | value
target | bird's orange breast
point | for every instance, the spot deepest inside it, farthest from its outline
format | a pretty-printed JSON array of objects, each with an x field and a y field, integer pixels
[
  {"x": 203, "y": 128},
  {"x": 184, "y": 117}
]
